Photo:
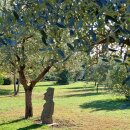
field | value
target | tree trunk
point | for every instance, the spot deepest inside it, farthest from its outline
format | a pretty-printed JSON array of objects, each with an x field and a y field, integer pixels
[
  {"x": 18, "y": 85},
  {"x": 97, "y": 88},
  {"x": 95, "y": 83},
  {"x": 15, "y": 93},
  {"x": 28, "y": 103}
]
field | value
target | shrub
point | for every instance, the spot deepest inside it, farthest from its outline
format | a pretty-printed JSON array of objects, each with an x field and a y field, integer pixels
[
  {"x": 50, "y": 77},
  {"x": 63, "y": 77},
  {"x": 7, "y": 81}
]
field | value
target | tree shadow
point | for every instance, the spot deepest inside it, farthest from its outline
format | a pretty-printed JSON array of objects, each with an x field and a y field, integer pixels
[
  {"x": 51, "y": 85},
  {"x": 78, "y": 88},
  {"x": 82, "y": 94},
  {"x": 83, "y": 87},
  {"x": 32, "y": 127},
  {"x": 83, "y": 90},
  {"x": 90, "y": 90},
  {"x": 108, "y": 105},
  {"x": 5, "y": 92},
  {"x": 45, "y": 85},
  {"x": 14, "y": 121}
]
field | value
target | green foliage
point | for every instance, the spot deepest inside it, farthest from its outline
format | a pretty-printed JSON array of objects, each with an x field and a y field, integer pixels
[
  {"x": 50, "y": 77},
  {"x": 99, "y": 72},
  {"x": 115, "y": 78},
  {"x": 1, "y": 80},
  {"x": 63, "y": 77},
  {"x": 80, "y": 75},
  {"x": 7, "y": 81}
]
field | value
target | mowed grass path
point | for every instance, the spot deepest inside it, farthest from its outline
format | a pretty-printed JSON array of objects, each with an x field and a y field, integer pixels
[{"x": 77, "y": 107}]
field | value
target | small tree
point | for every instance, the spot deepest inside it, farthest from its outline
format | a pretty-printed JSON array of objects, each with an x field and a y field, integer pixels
[
  {"x": 116, "y": 75},
  {"x": 99, "y": 72}
]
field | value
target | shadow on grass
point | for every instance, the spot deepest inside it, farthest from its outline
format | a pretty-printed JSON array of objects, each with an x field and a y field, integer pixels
[
  {"x": 31, "y": 127},
  {"x": 52, "y": 85},
  {"x": 83, "y": 90},
  {"x": 11, "y": 122},
  {"x": 45, "y": 85},
  {"x": 82, "y": 95},
  {"x": 5, "y": 92},
  {"x": 83, "y": 87},
  {"x": 78, "y": 88},
  {"x": 108, "y": 105},
  {"x": 89, "y": 89}
]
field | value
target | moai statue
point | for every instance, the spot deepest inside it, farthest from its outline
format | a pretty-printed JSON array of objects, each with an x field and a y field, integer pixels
[{"x": 48, "y": 107}]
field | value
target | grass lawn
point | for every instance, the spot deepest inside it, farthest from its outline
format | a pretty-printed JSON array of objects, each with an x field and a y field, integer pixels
[{"x": 77, "y": 107}]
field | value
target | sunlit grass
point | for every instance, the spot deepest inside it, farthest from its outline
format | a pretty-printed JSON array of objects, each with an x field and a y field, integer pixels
[{"x": 71, "y": 100}]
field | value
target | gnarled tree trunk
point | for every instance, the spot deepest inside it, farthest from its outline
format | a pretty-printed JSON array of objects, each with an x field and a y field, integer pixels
[{"x": 28, "y": 103}]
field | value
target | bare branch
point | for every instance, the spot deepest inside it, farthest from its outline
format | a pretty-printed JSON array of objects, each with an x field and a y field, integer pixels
[
  {"x": 18, "y": 58},
  {"x": 26, "y": 38},
  {"x": 41, "y": 75},
  {"x": 23, "y": 80}
]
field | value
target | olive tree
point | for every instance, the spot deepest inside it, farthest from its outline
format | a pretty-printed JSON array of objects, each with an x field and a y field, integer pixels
[
  {"x": 52, "y": 26},
  {"x": 27, "y": 47}
]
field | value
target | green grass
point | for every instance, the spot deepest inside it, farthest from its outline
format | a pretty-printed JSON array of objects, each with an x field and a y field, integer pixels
[{"x": 77, "y": 98}]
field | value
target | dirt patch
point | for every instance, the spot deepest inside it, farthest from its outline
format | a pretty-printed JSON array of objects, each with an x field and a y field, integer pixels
[
  {"x": 64, "y": 123},
  {"x": 86, "y": 121},
  {"x": 76, "y": 120}
]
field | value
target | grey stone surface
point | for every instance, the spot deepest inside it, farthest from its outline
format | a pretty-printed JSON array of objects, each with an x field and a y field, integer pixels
[{"x": 48, "y": 107}]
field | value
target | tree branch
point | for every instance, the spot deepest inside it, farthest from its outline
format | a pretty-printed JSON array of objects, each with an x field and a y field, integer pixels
[
  {"x": 12, "y": 63},
  {"x": 18, "y": 58},
  {"x": 26, "y": 38},
  {"x": 41, "y": 75},
  {"x": 23, "y": 80}
]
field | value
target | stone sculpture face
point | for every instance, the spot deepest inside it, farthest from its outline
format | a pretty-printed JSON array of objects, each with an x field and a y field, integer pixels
[
  {"x": 45, "y": 96},
  {"x": 48, "y": 107},
  {"x": 49, "y": 94}
]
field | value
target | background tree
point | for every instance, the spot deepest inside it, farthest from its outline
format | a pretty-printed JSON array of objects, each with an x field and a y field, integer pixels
[{"x": 115, "y": 77}]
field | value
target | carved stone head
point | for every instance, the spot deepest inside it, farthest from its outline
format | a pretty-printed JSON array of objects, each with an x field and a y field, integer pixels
[{"x": 49, "y": 94}]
